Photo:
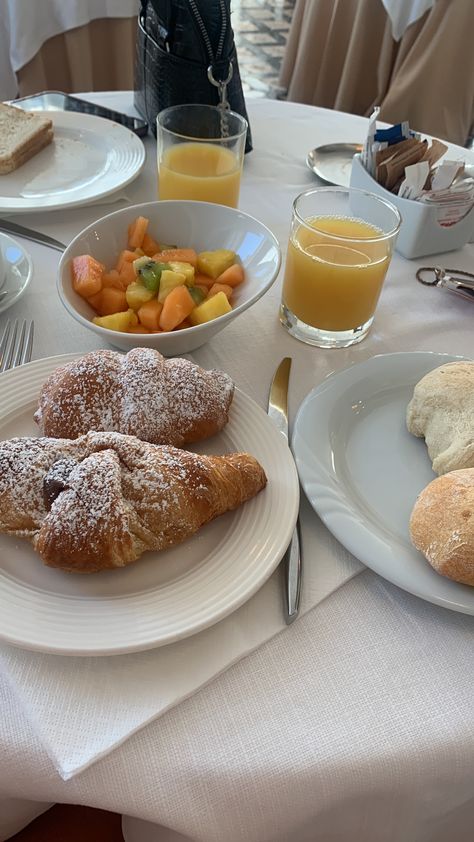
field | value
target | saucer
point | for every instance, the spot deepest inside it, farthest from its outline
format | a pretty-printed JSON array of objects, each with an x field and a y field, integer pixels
[{"x": 18, "y": 271}]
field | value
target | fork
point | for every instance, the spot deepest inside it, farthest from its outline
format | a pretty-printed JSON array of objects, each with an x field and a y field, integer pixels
[{"x": 16, "y": 345}]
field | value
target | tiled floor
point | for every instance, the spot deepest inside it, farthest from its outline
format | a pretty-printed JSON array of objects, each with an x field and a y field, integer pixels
[{"x": 261, "y": 29}]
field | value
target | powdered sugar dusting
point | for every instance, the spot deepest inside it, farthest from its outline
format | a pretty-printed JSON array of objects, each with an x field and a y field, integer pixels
[
  {"x": 139, "y": 393},
  {"x": 119, "y": 496}
]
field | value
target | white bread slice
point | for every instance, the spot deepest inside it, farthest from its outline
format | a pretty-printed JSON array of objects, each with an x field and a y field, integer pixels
[{"x": 22, "y": 135}]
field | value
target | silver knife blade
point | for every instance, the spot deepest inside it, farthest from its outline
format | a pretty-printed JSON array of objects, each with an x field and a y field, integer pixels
[
  {"x": 29, "y": 234},
  {"x": 278, "y": 412},
  {"x": 278, "y": 398}
]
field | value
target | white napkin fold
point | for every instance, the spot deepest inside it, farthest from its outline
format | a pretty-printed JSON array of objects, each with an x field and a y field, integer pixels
[
  {"x": 83, "y": 708},
  {"x": 403, "y": 13}
]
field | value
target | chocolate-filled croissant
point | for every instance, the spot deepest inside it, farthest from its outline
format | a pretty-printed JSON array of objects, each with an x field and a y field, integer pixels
[
  {"x": 139, "y": 394},
  {"x": 99, "y": 501}
]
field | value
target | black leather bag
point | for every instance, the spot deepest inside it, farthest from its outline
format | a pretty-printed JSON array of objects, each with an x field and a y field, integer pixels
[{"x": 186, "y": 54}]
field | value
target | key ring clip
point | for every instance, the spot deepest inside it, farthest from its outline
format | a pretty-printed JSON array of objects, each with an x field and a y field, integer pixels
[{"x": 455, "y": 280}]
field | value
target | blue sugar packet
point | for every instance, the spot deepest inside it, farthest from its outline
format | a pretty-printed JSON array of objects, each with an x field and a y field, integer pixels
[{"x": 395, "y": 134}]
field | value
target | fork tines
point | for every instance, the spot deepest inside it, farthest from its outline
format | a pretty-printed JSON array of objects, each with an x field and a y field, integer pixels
[{"x": 16, "y": 344}]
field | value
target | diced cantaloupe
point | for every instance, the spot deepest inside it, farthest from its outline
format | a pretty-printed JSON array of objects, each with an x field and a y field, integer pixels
[
  {"x": 137, "y": 231},
  {"x": 203, "y": 280},
  {"x": 110, "y": 301},
  {"x": 86, "y": 275},
  {"x": 112, "y": 279},
  {"x": 149, "y": 314},
  {"x": 125, "y": 256},
  {"x": 177, "y": 306},
  {"x": 214, "y": 263},
  {"x": 128, "y": 274},
  {"x": 233, "y": 276},
  {"x": 210, "y": 309},
  {"x": 183, "y": 255},
  {"x": 139, "y": 329},
  {"x": 227, "y": 290},
  {"x": 149, "y": 245}
]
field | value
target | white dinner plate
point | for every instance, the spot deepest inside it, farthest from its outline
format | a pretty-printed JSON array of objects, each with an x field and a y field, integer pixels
[
  {"x": 362, "y": 470},
  {"x": 18, "y": 267},
  {"x": 89, "y": 158},
  {"x": 162, "y": 597}
]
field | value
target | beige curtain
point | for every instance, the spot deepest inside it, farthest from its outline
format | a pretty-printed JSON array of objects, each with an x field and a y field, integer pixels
[
  {"x": 341, "y": 54},
  {"x": 96, "y": 57}
]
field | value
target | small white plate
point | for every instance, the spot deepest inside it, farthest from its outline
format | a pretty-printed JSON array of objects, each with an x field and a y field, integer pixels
[
  {"x": 362, "y": 470},
  {"x": 332, "y": 163},
  {"x": 18, "y": 268},
  {"x": 162, "y": 597},
  {"x": 89, "y": 158}
]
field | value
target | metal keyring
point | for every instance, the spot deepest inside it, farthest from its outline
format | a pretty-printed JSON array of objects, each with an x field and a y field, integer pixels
[{"x": 437, "y": 271}]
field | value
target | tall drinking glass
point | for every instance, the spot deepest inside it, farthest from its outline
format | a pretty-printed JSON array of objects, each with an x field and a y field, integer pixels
[
  {"x": 340, "y": 247},
  {"x": 200, "y": 153}
]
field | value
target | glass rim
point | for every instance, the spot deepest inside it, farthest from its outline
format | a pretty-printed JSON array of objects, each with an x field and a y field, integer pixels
[
  {"x": 347, "y": 190},
  {"x": 213, "y": 108}
]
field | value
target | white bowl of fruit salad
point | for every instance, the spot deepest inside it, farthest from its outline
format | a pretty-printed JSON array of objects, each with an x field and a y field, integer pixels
[{"x": 167, "y": 275}]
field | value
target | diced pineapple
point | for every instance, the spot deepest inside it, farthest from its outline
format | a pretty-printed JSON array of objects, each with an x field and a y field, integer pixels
[
  {"x": 185, "y": 268},
  {"x": 137, "y": 294},
  {"x": 117, "y": 321},
  {"x": 214, "y": 263},
  {"x": 210, "y": 309},
  {"x": 168, "y": 281}
]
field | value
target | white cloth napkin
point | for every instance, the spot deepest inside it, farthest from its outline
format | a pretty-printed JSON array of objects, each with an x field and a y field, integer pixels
[
  {"x": 403, "y": 13},
  {"x": 82, "y": 708}
]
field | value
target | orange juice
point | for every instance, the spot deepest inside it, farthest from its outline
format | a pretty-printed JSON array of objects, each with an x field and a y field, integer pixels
[
  {"x": 200, "y": 171},
  {"x": 334, "y": 284}
]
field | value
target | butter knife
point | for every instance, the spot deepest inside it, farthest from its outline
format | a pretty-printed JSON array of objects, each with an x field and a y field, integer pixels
[
  {"x": 30, "y": 234},
  {"x": 278, "y": 412}
]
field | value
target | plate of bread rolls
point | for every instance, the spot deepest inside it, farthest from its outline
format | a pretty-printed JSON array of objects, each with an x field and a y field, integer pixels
[
  {"x": 385, "y": 454},
  {"x": 142, "y": 499}
]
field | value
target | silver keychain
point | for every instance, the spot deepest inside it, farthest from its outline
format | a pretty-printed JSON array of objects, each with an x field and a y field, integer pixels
[
  {"x": 223, "y": 104},
  {"x": 454, "y": 280}
]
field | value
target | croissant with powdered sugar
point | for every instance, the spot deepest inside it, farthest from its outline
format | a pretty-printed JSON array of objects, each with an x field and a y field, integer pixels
[
  {"x": 139, "y": 394},
  {"x": 99, "y": 501}
]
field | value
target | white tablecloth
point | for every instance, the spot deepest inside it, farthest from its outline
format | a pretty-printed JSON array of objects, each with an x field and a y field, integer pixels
[
  {"x": 26, "y": 25},
  {"x": 357, "y": 721}
]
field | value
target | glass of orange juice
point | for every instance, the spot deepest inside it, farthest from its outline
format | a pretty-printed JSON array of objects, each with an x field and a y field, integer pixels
[
  {"x": 200, "y": 153},
  {"x": 340, "y": 247}
]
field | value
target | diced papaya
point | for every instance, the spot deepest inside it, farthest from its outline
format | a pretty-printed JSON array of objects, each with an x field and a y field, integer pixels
[
  {"x": 86, "y": 274},
  {"x": 137, "y": 231},
  {"x": 110, "y": 301},
  {"x": 168, "y": 281},
  {"x": 150, "y": 246},
  {"x": 94, "y": 300},
  {"x": 125, "y": 256},
  {"x": 233, "y": 276},
  {"x": 227, "y": 290},
  {"x": 214, "y": 263},
  {"x": 112, "y": 279},
  {"x": 128, "y": 274},
  {"x": 210, "y": 309},
  {"x": 177, "y": 306},
  {"x": 184, "y": 324},
  {"x": 149, "y": 314},
  {"x": 183, "y": 255}
]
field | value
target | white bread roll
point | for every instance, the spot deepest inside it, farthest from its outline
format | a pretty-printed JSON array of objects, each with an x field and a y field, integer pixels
[
  {"x": 442, "y": 525},
  {"x": 442, "y": 410}
]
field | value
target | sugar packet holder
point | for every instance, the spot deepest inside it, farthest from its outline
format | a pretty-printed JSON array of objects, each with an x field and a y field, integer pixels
[{"x": 421, "y": 233}]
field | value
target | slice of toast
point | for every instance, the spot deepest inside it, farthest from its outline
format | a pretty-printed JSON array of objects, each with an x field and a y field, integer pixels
[{"x": 22, "y": 135}]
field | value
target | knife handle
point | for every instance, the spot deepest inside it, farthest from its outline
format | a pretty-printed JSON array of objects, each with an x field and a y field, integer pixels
[
  {"x": 28, "y": 234},
  {"x": 292, "y": 572}
]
